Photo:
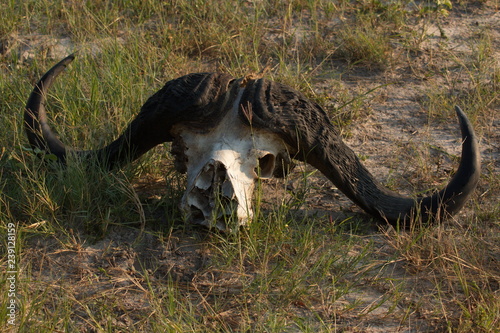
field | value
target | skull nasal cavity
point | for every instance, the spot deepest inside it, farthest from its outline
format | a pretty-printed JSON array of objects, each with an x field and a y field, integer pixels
[{"x": 266, "y": 166}]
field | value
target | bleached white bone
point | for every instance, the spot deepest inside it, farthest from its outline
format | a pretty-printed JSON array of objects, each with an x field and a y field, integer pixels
[{"x": 233, "y": 149}]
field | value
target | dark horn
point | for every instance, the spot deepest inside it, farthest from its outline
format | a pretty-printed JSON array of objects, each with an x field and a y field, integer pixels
[
  {"x": 308, "y": 132},
  {"x": 35, "y": 118},
  {"x": 452, "y": 198},
  {"x": 135, "y": 141},
  {"x": 196, "y": 99}
]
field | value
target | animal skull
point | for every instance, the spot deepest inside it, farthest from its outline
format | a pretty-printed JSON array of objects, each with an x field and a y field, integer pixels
[
  {"x": 228, "y": 132},
  {"x": 222, "y": 167}
]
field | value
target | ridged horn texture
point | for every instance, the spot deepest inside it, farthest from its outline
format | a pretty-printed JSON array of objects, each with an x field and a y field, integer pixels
[
  {"x": 304, "y": 125},
  {"x": 200, "y": 100}
]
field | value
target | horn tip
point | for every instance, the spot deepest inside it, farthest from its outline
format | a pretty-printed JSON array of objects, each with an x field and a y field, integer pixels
[
  {"x": 465, "y": 123},
  {"x": 460, "y": 112}
]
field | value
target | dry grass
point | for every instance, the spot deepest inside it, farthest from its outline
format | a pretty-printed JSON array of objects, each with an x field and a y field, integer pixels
[{"x": 97, "y": 251}]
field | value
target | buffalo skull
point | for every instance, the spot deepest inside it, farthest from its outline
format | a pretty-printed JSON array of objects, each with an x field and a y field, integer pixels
[{"x": 228, "y": 132}]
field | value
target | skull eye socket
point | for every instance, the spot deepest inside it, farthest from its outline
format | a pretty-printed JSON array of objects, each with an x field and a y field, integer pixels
[{"x": 265, "y": 167}]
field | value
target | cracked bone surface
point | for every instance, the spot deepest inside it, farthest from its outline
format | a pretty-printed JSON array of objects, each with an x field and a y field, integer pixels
[{"x": 222, "y": 167}]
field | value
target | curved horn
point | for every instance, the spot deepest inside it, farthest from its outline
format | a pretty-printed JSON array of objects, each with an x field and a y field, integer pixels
[
  {"x": 194, "y": 98},
  {"x": 308, "y": 131},
  {"x": 35, "y": 118}
]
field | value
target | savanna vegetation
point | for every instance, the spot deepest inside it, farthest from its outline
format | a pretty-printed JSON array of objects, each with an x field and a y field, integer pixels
[{"x": 84, "y": 250}]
